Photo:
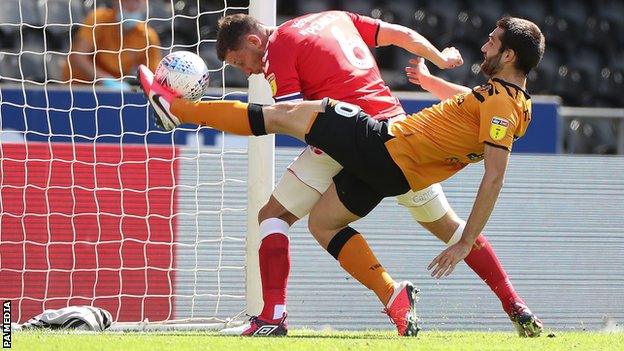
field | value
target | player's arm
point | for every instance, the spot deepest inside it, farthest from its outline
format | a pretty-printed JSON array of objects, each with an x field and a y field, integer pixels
[
  {"x": 497, "y": 126},
  {"x": 419, "y": 74},
  {"x": 410, "y": 40},
  {"x": 495, "y": 158}
]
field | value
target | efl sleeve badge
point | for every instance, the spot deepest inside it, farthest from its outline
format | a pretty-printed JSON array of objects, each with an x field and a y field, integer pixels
[
  {"x": 271, "y": 79},
  {"x": 498, "y": 128}
]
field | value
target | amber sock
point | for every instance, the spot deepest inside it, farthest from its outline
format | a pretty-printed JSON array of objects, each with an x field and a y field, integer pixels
[
  {"x": 228, "y": 116},
  {"x": 356, "y": 257}
]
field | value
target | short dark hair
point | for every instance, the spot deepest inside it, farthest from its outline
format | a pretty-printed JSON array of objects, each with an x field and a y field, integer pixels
[
  {"x": 525, "y": 39},
  {"x": 231, "y": 31}
]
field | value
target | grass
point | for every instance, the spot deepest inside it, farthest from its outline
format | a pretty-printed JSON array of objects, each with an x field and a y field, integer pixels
[{"x": 314, "y": 341}]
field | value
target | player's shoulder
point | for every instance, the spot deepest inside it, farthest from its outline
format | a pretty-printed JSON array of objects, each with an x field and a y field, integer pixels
[
  {"x": 509, "y": 90},
  {"x": 293, "y": 25},
  {"x": 304, "y": 20},
  {"x": 310, "y": 25},
  {"x": 497, "y": 91},
  {"x": 285, "y": 35}
]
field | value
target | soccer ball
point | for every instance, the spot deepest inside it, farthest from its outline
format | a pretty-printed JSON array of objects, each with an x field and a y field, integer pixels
[{"x": 184, "y": 73}]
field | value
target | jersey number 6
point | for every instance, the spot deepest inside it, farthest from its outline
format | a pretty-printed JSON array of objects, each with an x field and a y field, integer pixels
[{"x": 355, "y": 49}]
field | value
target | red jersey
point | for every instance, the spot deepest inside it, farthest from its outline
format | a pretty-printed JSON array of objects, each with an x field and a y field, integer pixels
[{"x": 327, "y": 54}]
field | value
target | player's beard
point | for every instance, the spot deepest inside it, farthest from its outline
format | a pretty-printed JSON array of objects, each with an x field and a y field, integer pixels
[{"x": 492, "y": 65}]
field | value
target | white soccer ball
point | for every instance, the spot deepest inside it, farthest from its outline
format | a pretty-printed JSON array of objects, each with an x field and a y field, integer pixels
[{"x": 184, "y": 73}]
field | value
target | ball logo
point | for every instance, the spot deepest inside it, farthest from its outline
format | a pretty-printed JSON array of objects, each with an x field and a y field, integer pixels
[{"x": 498, "y": 128}]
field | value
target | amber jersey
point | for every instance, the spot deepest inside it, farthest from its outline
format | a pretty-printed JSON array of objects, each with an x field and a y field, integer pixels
[{"x": 435, "y": 143}]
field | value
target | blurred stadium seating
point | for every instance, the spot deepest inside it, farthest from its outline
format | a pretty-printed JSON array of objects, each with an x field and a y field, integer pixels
[
  {"x": 583, "y": 63},
  {"x": 584, "y": 60}
]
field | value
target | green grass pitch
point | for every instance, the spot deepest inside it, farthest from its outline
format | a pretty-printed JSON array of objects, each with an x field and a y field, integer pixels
[{"x": 314, "y": 341}]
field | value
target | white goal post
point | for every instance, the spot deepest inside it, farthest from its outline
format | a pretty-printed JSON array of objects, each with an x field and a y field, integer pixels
[
  {"x": 261, "y": 153},
  {"x": 97, "y": 207}
]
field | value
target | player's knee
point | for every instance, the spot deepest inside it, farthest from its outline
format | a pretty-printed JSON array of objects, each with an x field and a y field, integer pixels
[
  {"x": 315, "y": 225},
  {"x": 273, "y": 209},
  {"x": 444, "y": 227},
  {"x": 318, "y": 222},
  {"x": 427, "y": 205},
  {"x": 320, "y": 231}
]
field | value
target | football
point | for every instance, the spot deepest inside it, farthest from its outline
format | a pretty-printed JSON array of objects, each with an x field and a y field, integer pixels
[{"x": 184, "y": 73}]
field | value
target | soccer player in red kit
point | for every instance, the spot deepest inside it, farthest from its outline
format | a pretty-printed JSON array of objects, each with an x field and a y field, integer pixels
[
  {"x": 321, "y": 54},
  {"x": 326, "y": 55}
]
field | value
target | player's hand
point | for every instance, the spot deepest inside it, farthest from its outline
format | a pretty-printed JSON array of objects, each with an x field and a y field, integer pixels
[
  {"x": 418, "y": 71},
  {"x": 445, "y": 262},
  {"x": 451, "y": 58}
]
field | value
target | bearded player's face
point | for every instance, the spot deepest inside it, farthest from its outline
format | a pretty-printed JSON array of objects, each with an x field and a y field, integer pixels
[
  {"x": 249, "y": 57},
  {"x": 492, "y": 56}
]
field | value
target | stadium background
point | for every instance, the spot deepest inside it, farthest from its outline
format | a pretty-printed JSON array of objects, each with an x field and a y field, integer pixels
[{"x": 583, "y": 65}]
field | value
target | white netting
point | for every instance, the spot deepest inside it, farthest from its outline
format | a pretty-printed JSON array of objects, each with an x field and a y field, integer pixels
[{"x": 98, "y": 207}]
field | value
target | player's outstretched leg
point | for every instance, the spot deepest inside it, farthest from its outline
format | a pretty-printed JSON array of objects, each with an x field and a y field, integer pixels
[
  {"x": 160, "y": 98},
  {"x": 401, "y": 309},
  {"x": 259, "y": 327}
]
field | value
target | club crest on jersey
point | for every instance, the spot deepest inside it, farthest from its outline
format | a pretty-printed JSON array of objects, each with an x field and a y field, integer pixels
[
  {"x": 498, "y": 128},
  {"x": 273, "y": 83}
]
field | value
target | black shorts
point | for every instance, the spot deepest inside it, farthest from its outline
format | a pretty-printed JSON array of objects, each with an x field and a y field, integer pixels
[{"x": 357, "y": 142}]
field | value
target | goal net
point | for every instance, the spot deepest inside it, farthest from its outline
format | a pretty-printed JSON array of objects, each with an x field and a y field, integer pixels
[{"x": 97, "y": 206}]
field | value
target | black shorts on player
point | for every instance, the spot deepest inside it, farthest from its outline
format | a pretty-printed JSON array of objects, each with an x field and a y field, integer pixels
[{"x": 357, "y": 142}]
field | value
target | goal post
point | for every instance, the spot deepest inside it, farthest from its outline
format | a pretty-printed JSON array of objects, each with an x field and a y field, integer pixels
[
  {"x": 261, "y": 153},
  {"x": 100, "y": 208}
]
